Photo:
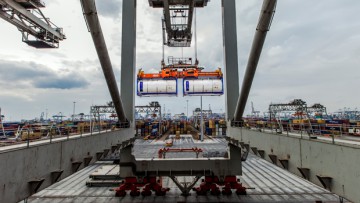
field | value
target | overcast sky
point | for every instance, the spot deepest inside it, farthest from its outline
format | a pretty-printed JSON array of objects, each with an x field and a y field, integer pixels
[{"x": 311, "y": 52}]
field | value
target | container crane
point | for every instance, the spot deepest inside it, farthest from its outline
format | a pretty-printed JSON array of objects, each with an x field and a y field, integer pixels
[
  {"x": 177, "y": 23},
  {"x": 134, "y": 170},
  {"x": 36, "y": 29}
]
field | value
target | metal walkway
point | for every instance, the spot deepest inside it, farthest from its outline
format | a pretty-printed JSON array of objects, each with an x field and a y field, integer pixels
[{"x": 271, "y": 183}]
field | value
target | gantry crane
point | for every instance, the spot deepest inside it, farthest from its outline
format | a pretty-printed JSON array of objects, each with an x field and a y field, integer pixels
[
  {"x": 177, "y": 24},
  {"x": 36, "y": 29},
  {"x": 298, "y": 106},
  {"x": 143, "y": 174}
]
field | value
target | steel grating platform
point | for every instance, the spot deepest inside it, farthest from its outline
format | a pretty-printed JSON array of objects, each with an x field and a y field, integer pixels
[{"x": 271, "y": 183}]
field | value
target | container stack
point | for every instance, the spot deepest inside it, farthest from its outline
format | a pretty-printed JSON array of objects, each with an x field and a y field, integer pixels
[
  {"x": 147, "y": 126},
  {"x": 222, "y": 127},
  {"x": 151, "y": 128},
  {"x": 81, "y": 127},
  {"x": 215, "y": 127},
  {"x": 180, "y": 126},
  {"x": 177, "y": 136}
]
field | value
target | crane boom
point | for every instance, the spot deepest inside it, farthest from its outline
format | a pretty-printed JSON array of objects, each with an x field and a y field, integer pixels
[
  {"x": 92, "y": 20},
  {"x": 265, "y": 19},
  {"x": 28, "y": 18}
]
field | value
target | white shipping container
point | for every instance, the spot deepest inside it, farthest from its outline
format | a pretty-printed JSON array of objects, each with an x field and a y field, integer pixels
[
  {"x": 203, "y": 87},
  {"x": 156, "y": 87}
]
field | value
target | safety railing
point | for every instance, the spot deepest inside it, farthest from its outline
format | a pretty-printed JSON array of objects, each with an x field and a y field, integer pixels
[
  {"x": 346, "y": 132},
  {"x": 30, "y": 136}
]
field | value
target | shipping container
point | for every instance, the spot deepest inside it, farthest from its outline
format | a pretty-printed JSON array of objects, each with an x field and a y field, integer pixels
[
  {"x": 157, "y": 87},
  {"x": 193, "y": 86}
]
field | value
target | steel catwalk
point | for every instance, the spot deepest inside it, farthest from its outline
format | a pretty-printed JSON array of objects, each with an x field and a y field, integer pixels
[{"x": 271, "y": 183}]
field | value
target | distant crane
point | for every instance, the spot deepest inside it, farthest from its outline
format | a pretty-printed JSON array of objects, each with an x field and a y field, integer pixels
[
  {"x": 1, "y": 123},
  {"x": 28, "y": 18},
  {"x": 253, "y": 112},
  {"x": 42, "y": 117},
  {"x": 59, "y": 117}
]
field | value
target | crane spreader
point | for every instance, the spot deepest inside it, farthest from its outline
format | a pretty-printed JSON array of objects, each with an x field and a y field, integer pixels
[{"x": 195, "y": 80}]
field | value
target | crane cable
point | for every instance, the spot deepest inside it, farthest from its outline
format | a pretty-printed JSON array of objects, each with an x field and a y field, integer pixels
[{"x": 195, "y": 35}]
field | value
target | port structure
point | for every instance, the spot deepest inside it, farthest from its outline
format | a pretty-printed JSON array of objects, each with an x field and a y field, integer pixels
[
  {"x": 154, "y": 107},
  {"x": 145, "y": 173},
  {"x": 218, "y": 172},
  {"x": 317, "y": 108},
  {"x": 177, "y": 20},
  {"x": 93, "y": 24},
  {"x": 177, "y": 25},
  {"x": 263, "y": 27},
  {"x": 128, "y": 56},
  {"x": 299, "y": 107},
  {"x": 36, "y": 29}
]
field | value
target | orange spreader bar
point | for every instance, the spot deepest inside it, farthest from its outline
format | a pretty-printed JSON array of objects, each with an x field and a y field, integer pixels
[{"x": 183, "y": 73}]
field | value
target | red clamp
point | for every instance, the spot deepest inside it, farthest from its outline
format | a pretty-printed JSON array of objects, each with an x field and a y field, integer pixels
[{"x": 153, "y": 185}]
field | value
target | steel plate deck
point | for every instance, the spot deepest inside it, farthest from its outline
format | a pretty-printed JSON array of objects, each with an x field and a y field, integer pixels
[
  {"x": 271, "y": 183},
  {"x": 214, "y": 147}
]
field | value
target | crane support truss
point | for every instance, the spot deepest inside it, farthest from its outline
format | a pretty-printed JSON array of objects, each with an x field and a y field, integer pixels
[
  {"x": 299, "y": 107},
  {"x": 296, "y": 105},
  {"x": 97, "y": 110},
  {"x": 102, "y": 109},
  {"x": 177, "y": 20},
  {"x": 37, "y": 30},
  {"x": 317, "y": 108},
  {"x": 148, "y": 109}
]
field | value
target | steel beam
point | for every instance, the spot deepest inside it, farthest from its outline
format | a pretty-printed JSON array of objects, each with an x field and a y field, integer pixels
[
  {"x": 167, "y": 19},
  {"x": 19, "y": 24},
  {"x": 129, "y": 166},
  {"x": 190, "y": 15},
  {"x": 230, "y": 56},
  {"x": 92, "y": 20},
  {"x": 102, "y": 109},
  {"x": 266, "y": 16},
  {"x": 128, "y": 58},
  {"x": 24, "y": 12}
]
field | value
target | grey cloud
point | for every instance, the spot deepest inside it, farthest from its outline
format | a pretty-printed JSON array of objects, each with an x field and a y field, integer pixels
[
  {"x": 11, "y": 70},
  {"x": 109, "y": 8},
  {"x": 61, "y": 83},
  {"x": 39, "y": 76}
]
